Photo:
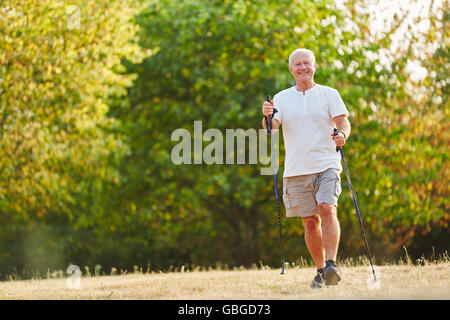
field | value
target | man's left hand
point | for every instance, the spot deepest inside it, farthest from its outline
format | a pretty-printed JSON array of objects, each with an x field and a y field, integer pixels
[{"x": 339, "y": 139}]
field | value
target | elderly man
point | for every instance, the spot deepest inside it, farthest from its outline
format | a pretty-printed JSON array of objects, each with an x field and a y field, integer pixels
[{"x": 308, "y": 113}]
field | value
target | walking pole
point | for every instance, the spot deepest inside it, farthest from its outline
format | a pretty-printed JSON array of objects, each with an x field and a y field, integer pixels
[
  {"x": 335, "y": 132},
  {"x": 269, "y": 130}
]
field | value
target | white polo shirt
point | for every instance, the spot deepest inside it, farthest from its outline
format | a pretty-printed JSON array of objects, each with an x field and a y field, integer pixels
[{"x": 307, "y": 123}]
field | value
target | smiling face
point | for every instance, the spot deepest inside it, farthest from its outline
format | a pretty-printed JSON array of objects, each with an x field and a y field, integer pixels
[{"x": 303, "y": 66}]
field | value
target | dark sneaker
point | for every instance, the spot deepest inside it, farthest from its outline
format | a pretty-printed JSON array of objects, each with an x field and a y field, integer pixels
[
  {"x": 319, "y": 281},
  {"x": 331, "y": 273}
]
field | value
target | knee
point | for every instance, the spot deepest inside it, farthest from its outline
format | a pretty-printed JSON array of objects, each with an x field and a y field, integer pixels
[
  {"x": 327, "y": 211},
  {"x": 311, "y": 223}
]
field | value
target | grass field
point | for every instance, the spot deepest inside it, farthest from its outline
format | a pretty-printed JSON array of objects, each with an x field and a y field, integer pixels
[{"x": 403, "y": 281}]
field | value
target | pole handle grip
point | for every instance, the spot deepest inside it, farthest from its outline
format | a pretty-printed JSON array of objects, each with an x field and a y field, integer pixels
[
  {"x": 269, "y": 122},
  {"x": 335, "y": 132}
]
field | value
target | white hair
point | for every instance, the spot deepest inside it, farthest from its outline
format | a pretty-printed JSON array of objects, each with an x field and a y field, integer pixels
[{"x": 291, "y": 56}]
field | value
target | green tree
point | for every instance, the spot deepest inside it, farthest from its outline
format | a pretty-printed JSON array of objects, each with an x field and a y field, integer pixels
[
  {"x": 59, "y": 67},
  {"x": 88, "y": 107},
  {"x": 215, "y": 62}
]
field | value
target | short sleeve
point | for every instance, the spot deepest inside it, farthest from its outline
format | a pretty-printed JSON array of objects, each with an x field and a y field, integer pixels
[
  {"x": 336, "y": 104},
  {"x": 277, "y": 105}
]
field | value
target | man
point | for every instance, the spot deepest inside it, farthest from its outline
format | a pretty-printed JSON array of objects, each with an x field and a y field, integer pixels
[{"x": 311, "y": 182}]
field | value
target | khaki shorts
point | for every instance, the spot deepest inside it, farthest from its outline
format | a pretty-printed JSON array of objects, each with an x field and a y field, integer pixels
[{"x": 302, "y": 194}]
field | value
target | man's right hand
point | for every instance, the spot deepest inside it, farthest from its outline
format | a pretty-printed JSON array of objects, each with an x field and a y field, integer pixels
[{"x": 267, "y": 108}]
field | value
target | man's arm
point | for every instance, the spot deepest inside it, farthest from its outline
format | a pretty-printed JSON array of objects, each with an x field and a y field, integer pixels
[{"x": 343, "y": 125}]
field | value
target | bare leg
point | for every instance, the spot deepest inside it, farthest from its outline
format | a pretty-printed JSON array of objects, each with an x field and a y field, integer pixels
[
  {"x": 313, "y": 238},
  {"x": 331, "y": 230}
]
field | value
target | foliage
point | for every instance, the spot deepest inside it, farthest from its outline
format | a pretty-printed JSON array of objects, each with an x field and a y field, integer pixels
[
  {"x": 57, "y": 76},
  {"x": 87, "y": 116},
  {"x": 215, "y": 62}
]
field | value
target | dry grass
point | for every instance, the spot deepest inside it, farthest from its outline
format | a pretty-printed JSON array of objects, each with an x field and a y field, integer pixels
[{"x": 431, "y": 281}]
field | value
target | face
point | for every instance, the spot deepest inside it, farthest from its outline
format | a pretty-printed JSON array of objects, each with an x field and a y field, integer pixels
[{"x": 303, "y": 66}]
